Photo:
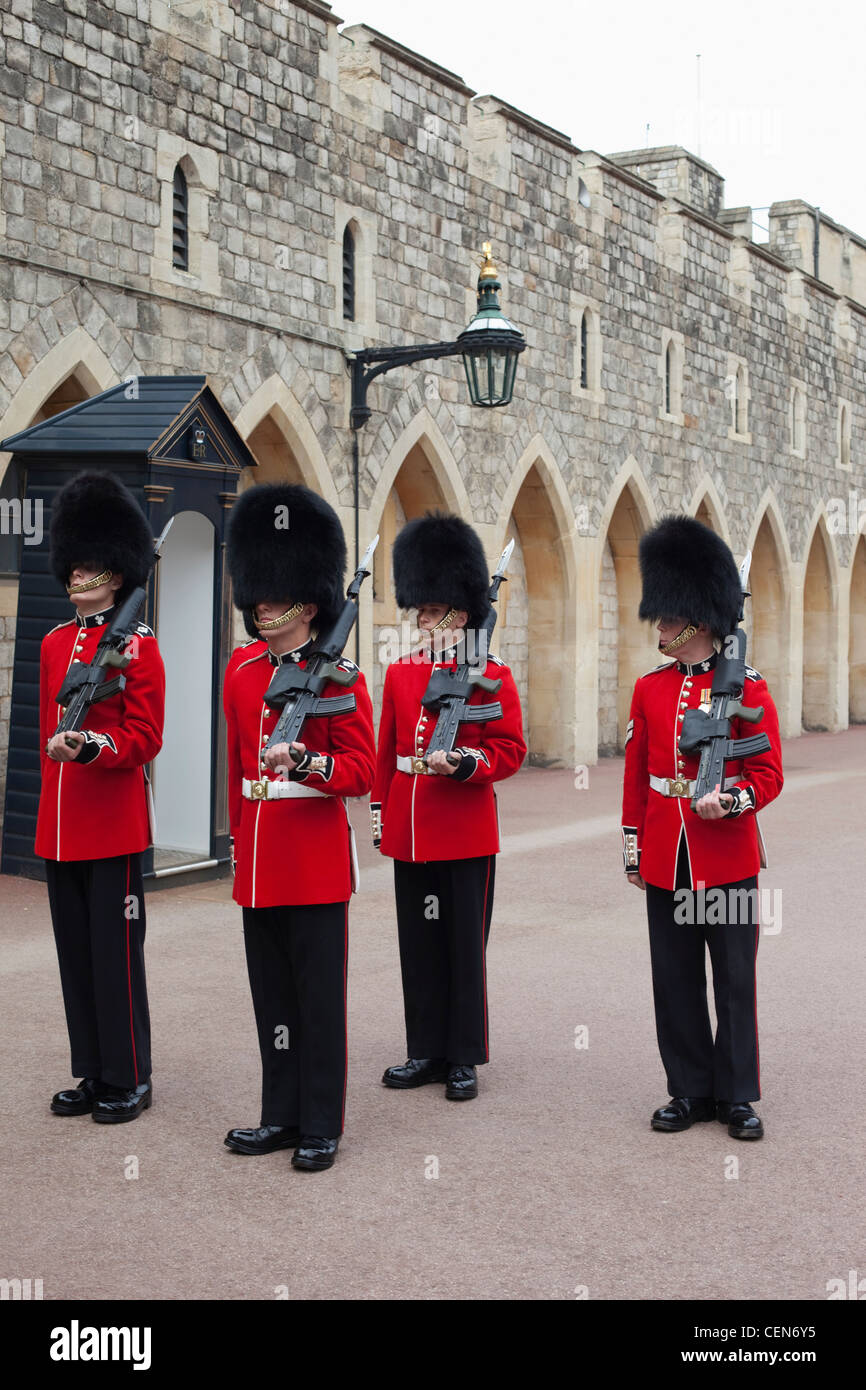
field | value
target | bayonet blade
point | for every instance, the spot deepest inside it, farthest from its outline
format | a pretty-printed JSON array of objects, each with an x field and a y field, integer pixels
[
  {"x": 368, "y": 555},
  {"x": 504, "y": 559},
  {"x": 158, "y": 544},
  {"x": 744, "y": 572}
]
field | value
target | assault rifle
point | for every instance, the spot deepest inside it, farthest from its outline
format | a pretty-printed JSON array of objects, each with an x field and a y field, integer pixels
[
  {"x": 86, "y": 685},
  {"x": 297, "y": 692},
  {"x": 711, "y": 733},
  {"x": 448, "y": 692}
]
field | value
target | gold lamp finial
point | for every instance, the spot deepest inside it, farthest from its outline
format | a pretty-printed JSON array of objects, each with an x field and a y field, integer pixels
[{"x": 488, "y": 269}]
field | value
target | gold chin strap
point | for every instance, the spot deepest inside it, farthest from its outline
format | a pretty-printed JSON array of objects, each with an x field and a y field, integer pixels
[
  {"x": 89, "y": 584},
  {"x": 686, "y": 635},
  {"x": 445, "y": 622},
  {"x": 281, "y": 620}
]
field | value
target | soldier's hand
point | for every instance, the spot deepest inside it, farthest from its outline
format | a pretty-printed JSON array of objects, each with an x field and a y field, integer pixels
[
  {"x": 59, "y": 750},
  {"x": 637, "y": 881},
  {"x": 438, "y": 762},
  {"x": 715, "y": 804},
  {"x": 284, "y": 757}
]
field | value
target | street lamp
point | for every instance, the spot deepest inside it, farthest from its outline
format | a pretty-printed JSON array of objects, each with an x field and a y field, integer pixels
[{"x": 489, "y": 346}]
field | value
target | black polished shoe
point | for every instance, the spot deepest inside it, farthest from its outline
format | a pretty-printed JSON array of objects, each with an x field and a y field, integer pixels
[
  {"x": 740, "y": 1118},
  {"x": 77, "y": 1100},
  {"x": 264, "y": 1140},
  {"x": 462, "y": 1081},
  {"x": 417, "y": 1071},
  {"x": 314, "y": 1154},
  {"x": 682, "y": 1112},
  {"x": 115, "y": 1107}
]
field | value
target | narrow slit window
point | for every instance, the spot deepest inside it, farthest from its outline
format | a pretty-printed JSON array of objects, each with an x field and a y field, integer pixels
[
  {"x": 584, "y": 351},
  {"x": 348, "y": 275},
  {"x": 180, "y": 221}
]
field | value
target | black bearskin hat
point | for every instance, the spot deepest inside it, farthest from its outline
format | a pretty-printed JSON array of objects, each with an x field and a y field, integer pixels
[
  {"x": 286, "y": 542},
  {"x": 689, "y": 572},
  {"x": 438, "y": 558},
  {"x": 96, "y": 522}
]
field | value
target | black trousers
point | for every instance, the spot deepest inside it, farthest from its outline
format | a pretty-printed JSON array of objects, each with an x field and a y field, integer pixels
[
  {"x": 443, "y": 922},
  {"x": 683, "y": 924},
  {"x": 97, "y": 911},
  {"x": 297, "y": 958}
]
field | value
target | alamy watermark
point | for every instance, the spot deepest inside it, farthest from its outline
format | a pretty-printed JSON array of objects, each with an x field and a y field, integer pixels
[
  {"x": 723, "y": 906},
  {"x": 22, "y": 518}
]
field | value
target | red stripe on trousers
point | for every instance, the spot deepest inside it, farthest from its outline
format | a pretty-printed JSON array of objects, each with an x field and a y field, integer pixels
[
  {"x": 483, "y": 956},
  {"x": 129, "y": 976},
  {"x": 345, "y": 1010},
  {"x": 757, "y": 1049}
]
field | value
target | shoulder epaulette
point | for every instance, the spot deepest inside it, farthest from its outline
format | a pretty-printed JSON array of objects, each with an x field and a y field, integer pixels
[
  {"x": 665, "y": 666},
  {"x": 58, "y": 627},
  {"x": 497, "y": 660},
  {"x": 142, "y": 630},
  {"x": 345, "y": 664},
  {"x": 752, "y": 674}
]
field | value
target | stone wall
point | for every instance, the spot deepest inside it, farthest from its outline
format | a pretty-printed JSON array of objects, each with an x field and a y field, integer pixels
[{"x": 287, "y": 130}]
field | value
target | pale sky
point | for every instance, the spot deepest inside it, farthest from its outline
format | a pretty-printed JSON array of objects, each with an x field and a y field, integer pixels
[{"x": 782, "y": 84}]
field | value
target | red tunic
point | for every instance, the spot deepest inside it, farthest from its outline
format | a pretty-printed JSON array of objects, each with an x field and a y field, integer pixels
[
  {"x": 719, "y": 851},
  {"x": 293, "y": 851},
  {"x": 95, "y": 807},
  {"x": 428, "y": 816}
]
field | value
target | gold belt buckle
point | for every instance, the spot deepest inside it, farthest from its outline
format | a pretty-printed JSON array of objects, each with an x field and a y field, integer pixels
[
  {"x": 677, "y": 787},
  {"x": 258, "y": 791},
  {"x": 419, "y": 765}
]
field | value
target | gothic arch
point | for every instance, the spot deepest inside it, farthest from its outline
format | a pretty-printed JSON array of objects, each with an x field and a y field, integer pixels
[
  {"x": 423, "y": 431},
  {"x": 537, "y": 637},
  {"x": 630, "y": 476},
  {"x": 77, "y": 354},
  {"x": 539, "y": 455},
  {"x": 768, "y": 612},
  {"x": 706, "y": 495},
  {"x": 857, "y": 632},
  {"x": 625, "y": 645},
  {"x": 769, "y": 507},
  {"x": 821, "y": 645},
  {"x": 276, "y": 400}
]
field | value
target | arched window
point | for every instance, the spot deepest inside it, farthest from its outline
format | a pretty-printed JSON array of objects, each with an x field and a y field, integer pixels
[
  {"x": 584, "y": 351},
  {"x": 180, "y": 222},
  {"x": 845, "y": 437},
  {"x": 669, "y": 378},
  {"x": 798, "y": 419},
  {"x": 739, "y": 403},
  {"x": 348, "y": 274}
]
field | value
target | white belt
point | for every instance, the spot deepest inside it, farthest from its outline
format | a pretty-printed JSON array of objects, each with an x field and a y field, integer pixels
[
  {"x": 417, "y": 766},
  {"x": 677, "y": 786},
  {"x": 276, "y": 791}
]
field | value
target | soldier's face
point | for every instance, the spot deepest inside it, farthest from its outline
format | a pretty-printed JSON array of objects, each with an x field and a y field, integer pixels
[
  {"x": 699, "y": 645},
  {"x": 273, "y": 608},
  {"x": 429, "y": 614},
  {"x": 96, "y": 599},
  {"x": 669, "y": 628}
]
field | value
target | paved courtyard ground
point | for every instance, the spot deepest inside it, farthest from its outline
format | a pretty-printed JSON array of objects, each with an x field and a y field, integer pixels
[{"x": 552, "y": 1181}]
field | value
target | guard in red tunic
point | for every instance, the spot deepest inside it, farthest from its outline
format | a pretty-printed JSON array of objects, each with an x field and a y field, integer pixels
[
  {"x": 93, "y": 821},
  {"x": 699, "y": 867},
  {"x": 438, "y": 820},
  {"x": 293, "y": 843}
]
